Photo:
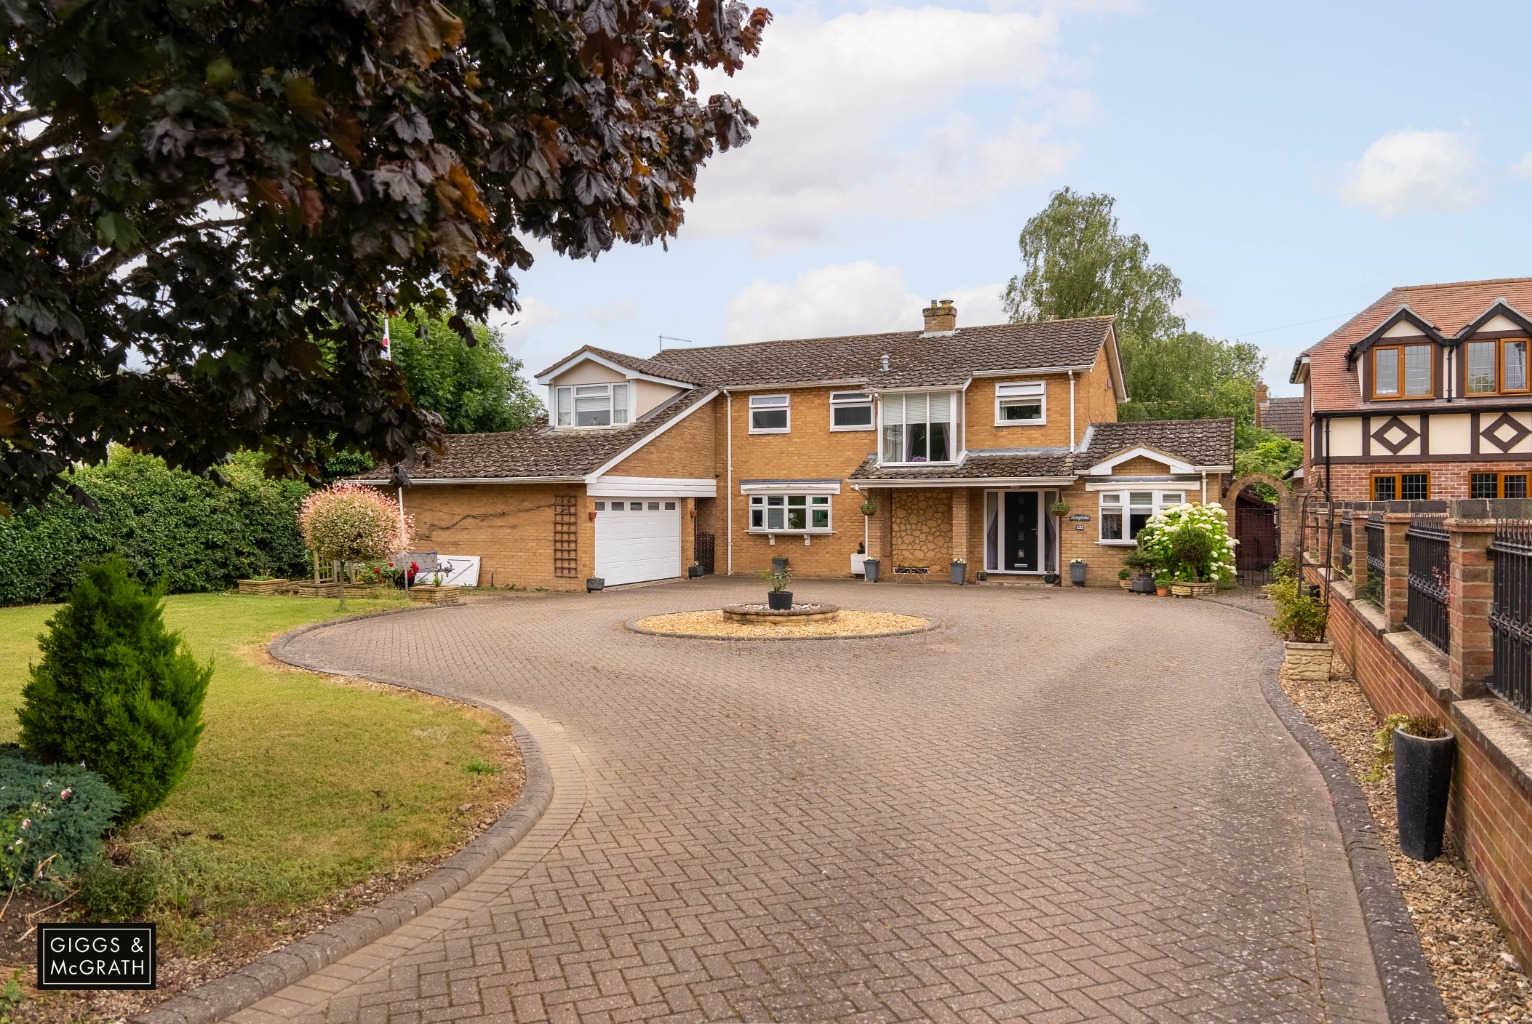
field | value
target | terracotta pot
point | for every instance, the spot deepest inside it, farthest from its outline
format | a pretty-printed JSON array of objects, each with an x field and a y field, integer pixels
[{"x": 1162, "y": 591}]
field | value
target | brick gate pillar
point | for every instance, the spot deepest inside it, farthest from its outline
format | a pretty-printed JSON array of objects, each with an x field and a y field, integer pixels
[
  {"x": 960, "y": 524},
  {"x": 1359, "y": 550},
  {"x": 1396, "y": 568},
  {"x": 1471, "y": 592}
]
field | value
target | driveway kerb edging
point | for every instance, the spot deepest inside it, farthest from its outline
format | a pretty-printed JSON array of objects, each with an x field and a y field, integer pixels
[
  {"x": 1409, "y": 990},
  {"x": 297, "y": 960}
]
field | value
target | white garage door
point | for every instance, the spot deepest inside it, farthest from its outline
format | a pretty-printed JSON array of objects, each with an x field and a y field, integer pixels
[{"x": 637, "y": 540}]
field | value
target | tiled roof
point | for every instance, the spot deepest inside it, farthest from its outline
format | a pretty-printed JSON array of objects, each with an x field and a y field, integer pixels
[
  {"x": 1447, "y": 307},
  {"x": 1284, "y": 416},
  {"x": 1199, "y": 442},
  {"x": 980, "y": 465},
  {"x": 540, "y": 451},
  {"x": 634, "y": 363},
  {"x": 914, "y": 361}
]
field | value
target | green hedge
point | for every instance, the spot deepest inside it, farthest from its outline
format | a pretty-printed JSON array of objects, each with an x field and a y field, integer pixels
[{"x": 168, "y": 525}]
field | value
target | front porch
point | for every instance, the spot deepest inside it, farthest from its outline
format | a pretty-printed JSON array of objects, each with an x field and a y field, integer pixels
[{"x": 1004, "y": 530}]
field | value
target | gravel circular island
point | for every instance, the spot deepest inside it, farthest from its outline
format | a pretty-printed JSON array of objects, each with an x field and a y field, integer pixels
[{"x": 843, "y": 624}]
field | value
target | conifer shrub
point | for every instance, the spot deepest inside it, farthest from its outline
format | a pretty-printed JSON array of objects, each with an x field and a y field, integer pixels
[
  {"x": 115, "y": 690},
  {"x": 52, "y": 818}
]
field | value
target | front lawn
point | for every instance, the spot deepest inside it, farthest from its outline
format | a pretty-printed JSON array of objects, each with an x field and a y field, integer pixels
[{"x": 302, "y": 785}]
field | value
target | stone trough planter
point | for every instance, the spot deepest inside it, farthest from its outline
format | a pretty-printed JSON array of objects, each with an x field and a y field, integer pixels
[
  {"x": 436, "y": 595},
  {"x": 356, "y": 590},
  {"x": 1193, "y": 589},
  {"x": 798, "y": 613},
  {"x": 261, "y": 586},
  {"x": 1308, "y": 663}
]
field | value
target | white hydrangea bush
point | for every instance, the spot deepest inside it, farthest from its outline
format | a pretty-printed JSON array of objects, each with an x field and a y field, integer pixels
[{"x": 1158, "y": 538}]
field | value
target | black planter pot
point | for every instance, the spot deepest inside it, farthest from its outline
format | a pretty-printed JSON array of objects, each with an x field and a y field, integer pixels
[
  {"x": 694, "y": 571},
  {"x": 870, "y": 569},
  {"x": 1051, "y": 578},
  {"x": 594, "y": 584},
  {"x": 779, "y": 600},
  {"x": 1422, "y": 778},
  {"x": 1077, "y": 573},
  {"x": 1141, "y": 584},
  {"x": 959, "y": 573},
  {"x": 779, "y": 565}
]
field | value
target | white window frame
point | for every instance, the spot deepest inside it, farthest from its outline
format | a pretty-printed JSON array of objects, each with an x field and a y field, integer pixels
[
  {"x": 573, "y": 391},
  {"x": 852, "y": 400},
  {"x": 1021, "y": 389},
  {"x": 1122, "y": 505},
  {"x": 762, "y": 505},
  {"x": 954, "y": 409},
  {"x": 771, "y": 403}
]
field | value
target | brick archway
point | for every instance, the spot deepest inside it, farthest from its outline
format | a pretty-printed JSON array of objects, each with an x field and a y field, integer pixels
[{"x": 1287, "y": 507}]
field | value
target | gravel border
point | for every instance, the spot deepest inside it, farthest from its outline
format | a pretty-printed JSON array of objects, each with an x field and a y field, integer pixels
[
  {"x": 930, "y": 625},
  {"x": 297, "y": 960}
]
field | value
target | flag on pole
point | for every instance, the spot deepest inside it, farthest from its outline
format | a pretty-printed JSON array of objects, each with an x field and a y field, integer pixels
[{"x": 388, "y": 345}]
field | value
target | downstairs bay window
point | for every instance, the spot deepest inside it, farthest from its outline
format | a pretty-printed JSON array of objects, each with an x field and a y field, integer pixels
[
  {"x": 1124, "y": 513},
  {"x": 919, "y": 427},
  {"x": 790, "y": 513}
]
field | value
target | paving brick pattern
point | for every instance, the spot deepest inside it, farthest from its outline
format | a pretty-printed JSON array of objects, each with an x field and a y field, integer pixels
[{"x": 1061, "y": 806}]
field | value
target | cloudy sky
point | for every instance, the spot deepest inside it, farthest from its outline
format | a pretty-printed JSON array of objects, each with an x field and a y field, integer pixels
[{"x": 1290, "y": 162}]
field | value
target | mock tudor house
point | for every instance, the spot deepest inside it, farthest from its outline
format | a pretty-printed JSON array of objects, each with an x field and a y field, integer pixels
[
  {"x": 1424, "y": 394},
  {"x": 962, "y": 441}
]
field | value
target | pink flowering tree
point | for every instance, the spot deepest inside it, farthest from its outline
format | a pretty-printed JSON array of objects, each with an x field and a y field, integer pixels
[{"x": 352, "y": 523}]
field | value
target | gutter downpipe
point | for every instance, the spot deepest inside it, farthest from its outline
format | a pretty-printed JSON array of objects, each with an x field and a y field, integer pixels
[
  {"x": 1204, "y": 487},
  {"x": 1327, "y": 456},
  {"x": 1071, "y": 410},
  {"x": 729, "y": 480}
]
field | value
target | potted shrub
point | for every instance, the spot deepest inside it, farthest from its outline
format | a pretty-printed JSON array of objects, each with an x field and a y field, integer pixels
[
  {"x": 1162, "y": 583},
  {"x": 1077, "y": 572},
  {"x": 959, "y": 571},
  {"x": 870, "y": 569},
  {"x": 981, "y": 575},
  {"x": 1191, "y": 543},
  {"x": 1059, "y": 508},
  {"x": 778, "y": 598},
  {"x": 1300, "y": 621},
  {"x": 1123, "y": 575},
  {"x": 1422, "y": 750}
]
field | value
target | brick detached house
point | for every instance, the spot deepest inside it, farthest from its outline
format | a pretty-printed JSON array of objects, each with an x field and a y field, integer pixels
[
  {"x": 962, "y": 439},
  {"x": 1424, "y": 394}
]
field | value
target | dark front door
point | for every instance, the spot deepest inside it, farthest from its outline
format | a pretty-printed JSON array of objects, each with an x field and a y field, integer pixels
[{"x": 1020, "y": 531}]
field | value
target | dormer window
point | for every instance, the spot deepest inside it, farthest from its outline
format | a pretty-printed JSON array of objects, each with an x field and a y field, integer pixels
[
  {"x": 918, "y": 427},
  {"x": 1496, "y": 367},
  {"x": 1403, "y": 371},
  {"x": 592, "y": 405}
]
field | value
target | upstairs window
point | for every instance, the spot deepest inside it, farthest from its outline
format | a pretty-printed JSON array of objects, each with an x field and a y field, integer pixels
[
  {"x": 770, "y": 414},
  {"x": 1496, "y": 367},
  {"x": 918, "y": 427},
  {"x": 592, "y": 405},
  {"x": 1020, "y": 404},
  {"x": 850, "y": 410},
  {"x": 1403, "y": 371}
]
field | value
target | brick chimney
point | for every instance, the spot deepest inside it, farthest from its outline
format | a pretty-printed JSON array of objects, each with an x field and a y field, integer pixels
[
  {"x": 940, "y": 316},
  {"x": 1261, "y": 395}
]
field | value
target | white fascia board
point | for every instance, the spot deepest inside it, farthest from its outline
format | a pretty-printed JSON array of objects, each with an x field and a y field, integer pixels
[
  {"x": 789, "y": 487},
  {"x": 849, "y": 383},
  {"x": 1026, "y": 370},
  {"x": 628, "y": 373},
  {"x": 1142, "y": 482},
  {"x": 652, "y": 487},
  {"x": 969, "y": 481},
  {"x": 636, "y": 445},
  {"x": 920, "y": 388},
  {"x": 1173, "y": 464},
  {"x": 1114, "y": 360}
]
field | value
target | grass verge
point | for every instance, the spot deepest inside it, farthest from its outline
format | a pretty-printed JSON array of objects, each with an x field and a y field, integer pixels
[{"x": 303, "y": 786}]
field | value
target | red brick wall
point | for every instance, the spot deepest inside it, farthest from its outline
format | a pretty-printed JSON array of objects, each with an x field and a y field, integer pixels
[
  {"x": 1489, "y": 813},
  {"x": 1352, "y": 481}
]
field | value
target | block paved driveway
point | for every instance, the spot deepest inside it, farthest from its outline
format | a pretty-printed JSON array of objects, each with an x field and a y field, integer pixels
[{"x": 1060, "y": 806}]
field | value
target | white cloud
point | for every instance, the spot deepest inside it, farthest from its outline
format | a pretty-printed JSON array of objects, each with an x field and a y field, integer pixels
[
  {"x": 1190, "y": 308},
  {"x": 870, "y": 113},
  {"x": 846, "y": 298},
  {"x": 1523, "y": 167},
  {"x": 524, "y": 334},
  {"x": 1413, "y": 171},
  {"x": 613, "y": 312}
]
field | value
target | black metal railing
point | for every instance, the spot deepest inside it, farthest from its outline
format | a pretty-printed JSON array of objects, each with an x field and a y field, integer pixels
[
  {"x": 703, "y": 552},
  {"x": 1510, "y": 617},
  {"x": 1345, "y": 544},
  {"x": 1373, "y": 591},
  {"x": 1430, "y": 572}
]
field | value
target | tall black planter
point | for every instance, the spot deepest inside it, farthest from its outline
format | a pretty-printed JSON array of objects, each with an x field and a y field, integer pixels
[
  {"x": 1422, "y": 778},
  {"x": 870, "y": 570},
  {"x": 779, "y": 600},
  {"x": 779, "y": 565}
]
